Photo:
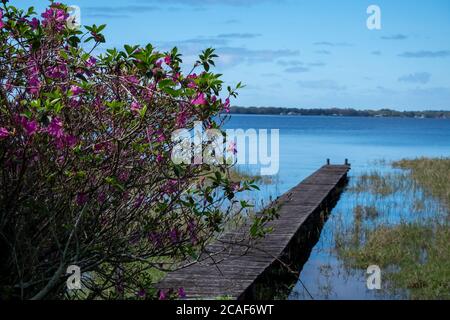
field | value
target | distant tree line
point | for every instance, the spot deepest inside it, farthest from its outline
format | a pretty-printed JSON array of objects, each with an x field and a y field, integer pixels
[{"x": 343, "y": 112}]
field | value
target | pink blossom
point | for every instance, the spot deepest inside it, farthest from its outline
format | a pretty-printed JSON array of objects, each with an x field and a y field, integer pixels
[
  {"x": 132, "y": 79},
  {"x": 135, "y": 107},
  {"x": 161, "y": 138},
  {"x": 70, "y": 140},
  {"x": 199, "y": 100},
  {"x": 57, "y": 72},
  {"x": 76, "y": 90},
  {"x": 34, "y": 23},
  {"x": 34, "y": 84},
  {"x": 181, "y": 293},
  {"x": 162, "y": 295},
  {"x": 2, "y": 24},
  {"x": 4, "y": 133},
  {"x": 101, "y": 197},
  {"x": 181, "y": 119},
  {"x": 91, "y": 62},
  {"x": 139, "y": 200},
  {"x": 55, "y": 128},
  {"x": 66, "y": 141},
  {"x": 170, "y": 187},
  {"x": 191, "y": 85},
  {"x": 141, "y": 293},
  {"x": 124, "y": 176},
  {"x": 102, "y": 146},
  {"x": 74, "y": 102},
  {"x": 55, "y": 18},
  {"x": 167, "y": 60},
  {"x": 226, "y": 105},
  {"x": 176, "y": 76},
  {"x": 174, "y": 235},
  {"x": 30, "y": 126}
]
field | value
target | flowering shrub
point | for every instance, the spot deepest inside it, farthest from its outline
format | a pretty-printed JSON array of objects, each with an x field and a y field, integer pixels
[{"x": 86, "y": 175}]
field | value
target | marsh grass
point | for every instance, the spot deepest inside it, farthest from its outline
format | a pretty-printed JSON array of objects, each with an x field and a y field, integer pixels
[
  {"x": 237, "y": 175},
  {"x": 400, "y": 222},
  {"x": 433, "y": 175}
]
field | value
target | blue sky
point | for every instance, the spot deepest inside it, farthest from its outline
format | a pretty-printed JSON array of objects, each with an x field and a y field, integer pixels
[{"x": 295, "y": 53}]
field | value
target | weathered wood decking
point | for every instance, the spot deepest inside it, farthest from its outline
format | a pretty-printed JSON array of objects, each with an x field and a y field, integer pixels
[{"x": 233, "y": 266}]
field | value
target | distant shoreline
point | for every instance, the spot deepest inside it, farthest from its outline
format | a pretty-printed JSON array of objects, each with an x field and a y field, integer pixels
[{"x": 338, "y": 112}]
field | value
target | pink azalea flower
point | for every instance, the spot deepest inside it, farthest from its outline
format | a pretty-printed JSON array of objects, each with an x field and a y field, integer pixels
[
  {"x": 226, "y": 105},
  {"x": 91, "y": 62},
  {"x": 199, "y": 100},
  {"x": 181, "y": 293},
  {"x": 135, "y": 107},
  {"x": 176, "y": 76},
  {"x": 101, "y": 197},
  {"x": 191, "y": 85},
  {"x": 174, "y": 235},
  {"x": 132, "y": 79},
  {"x": 141, "y": 293},
  {"x": 162, "y": 295},
  {"x": 55, "y": 128},
  {"x": 76, "y": 90},
  {"x": 4, "y": 133},
  {"x": 2, "y": 24},
  {"x": 34, "y": 23},
  {"x": 74, "y": 102},
  {"x": 30, "y": 127},
  {"x": 167, "y": 60},
  {"x": 70, "y": 140},
  {"x": 57, "y": 72},
  {"x": 34, "y": 85},
  {"x": 139, "y": 200},
  {"x": 161, "y": 138},
  {"x": 55, "y": 18},
  {"x": 181, "y": 120}
]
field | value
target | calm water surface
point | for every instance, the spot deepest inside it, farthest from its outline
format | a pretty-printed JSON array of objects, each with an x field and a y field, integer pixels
[{"x": 306, "y": 143}]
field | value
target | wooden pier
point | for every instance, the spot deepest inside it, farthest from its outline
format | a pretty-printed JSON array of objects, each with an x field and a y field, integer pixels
[{"x": 235, "y": 268}]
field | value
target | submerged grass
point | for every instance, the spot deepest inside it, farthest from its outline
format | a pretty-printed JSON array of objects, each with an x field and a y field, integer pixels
[
  {"x": 433, "y": 175},
  {"x": 414, "y": 254}
]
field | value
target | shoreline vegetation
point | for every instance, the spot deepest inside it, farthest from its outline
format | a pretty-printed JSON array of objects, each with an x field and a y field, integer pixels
[
  {"x": 413, "y": 252},
  {"x": 341, "y": 112}
]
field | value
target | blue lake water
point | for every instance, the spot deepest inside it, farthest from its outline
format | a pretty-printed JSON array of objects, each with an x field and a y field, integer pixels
[{"x": 306, "y": 143}]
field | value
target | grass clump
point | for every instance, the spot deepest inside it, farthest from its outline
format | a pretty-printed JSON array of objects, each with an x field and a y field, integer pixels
[
  {"x": 413, "y": 256},
  {"x": 433, "y": 175}
]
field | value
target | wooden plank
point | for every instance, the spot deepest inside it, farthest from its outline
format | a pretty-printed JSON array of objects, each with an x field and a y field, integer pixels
[{"x": 232, "y": 269}]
